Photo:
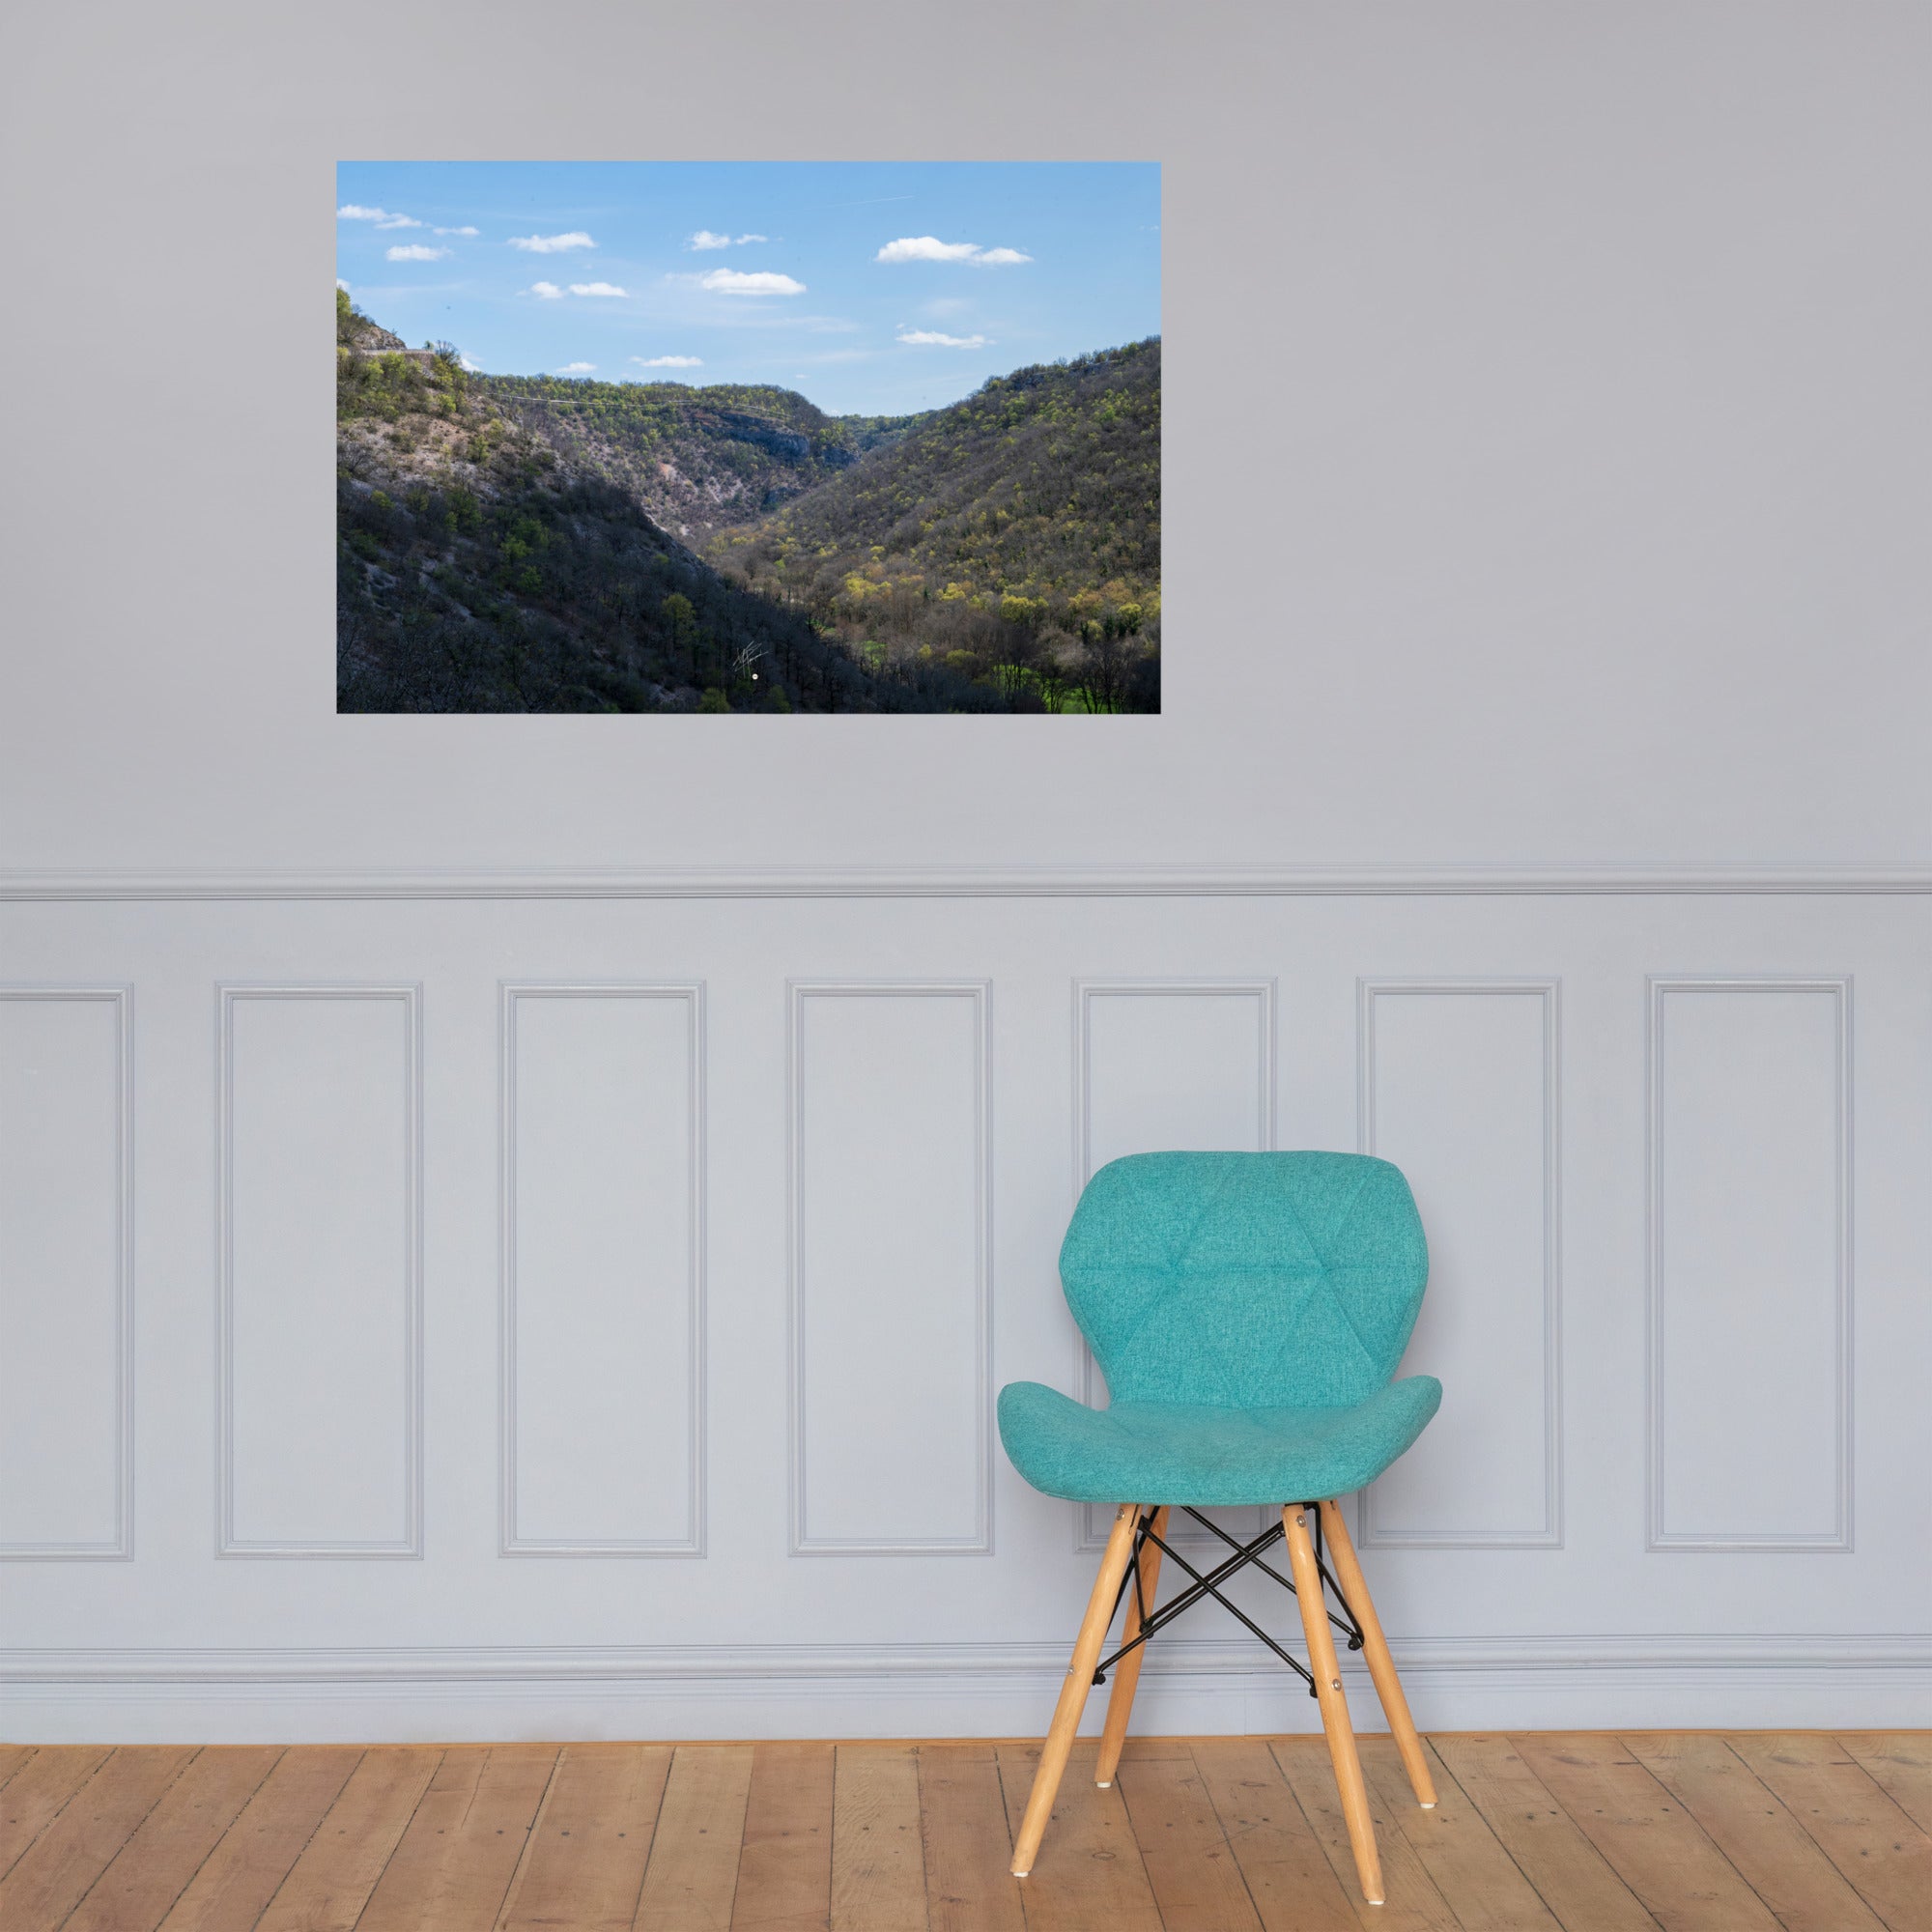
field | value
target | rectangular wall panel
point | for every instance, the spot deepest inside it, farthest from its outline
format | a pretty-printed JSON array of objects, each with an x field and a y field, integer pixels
[
  {"x": 66, "y": 1276},
  {"x": 1172, "y": 1063},
  {"x": 603, "y": 1270},
  {"x": 889, "y": 1293},
  {"x": 320, "y": 1272},
  {"x": 1460, "y": 1089},
  {"x": 1750, "y": 1372},
  {"x": 1162, "y": 1065}
]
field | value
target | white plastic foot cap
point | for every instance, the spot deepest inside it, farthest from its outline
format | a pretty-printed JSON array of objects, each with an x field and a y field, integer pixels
[
  {"x": 1430, "y": 1806},
  {"x": 1102, "y": 1784}
]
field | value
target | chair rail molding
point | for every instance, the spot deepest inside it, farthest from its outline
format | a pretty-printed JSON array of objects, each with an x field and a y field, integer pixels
[
  {"x": 1839, "y": 1538},
  {"x": 691, "y": 994},
  {"x": 1548, "y": 990},
  {"x": 229, "y": 995},
  {"x": 1183, "y": 880},
  {"x": 800, "y": 993},
  {"x": 120, "y": 1546}
]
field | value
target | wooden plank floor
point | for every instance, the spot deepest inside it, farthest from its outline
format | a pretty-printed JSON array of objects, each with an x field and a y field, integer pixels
[{"x": 1545, "y": 1831}]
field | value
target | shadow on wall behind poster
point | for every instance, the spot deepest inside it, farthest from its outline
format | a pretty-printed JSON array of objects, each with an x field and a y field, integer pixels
[{"x": 736, "y": 436}]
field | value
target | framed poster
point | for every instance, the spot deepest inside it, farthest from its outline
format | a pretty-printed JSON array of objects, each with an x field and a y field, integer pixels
[{"x": 748, "y": 437}]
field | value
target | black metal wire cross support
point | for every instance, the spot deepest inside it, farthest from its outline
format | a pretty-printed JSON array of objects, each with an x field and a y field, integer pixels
[{"x": 1245, "y": 1553}]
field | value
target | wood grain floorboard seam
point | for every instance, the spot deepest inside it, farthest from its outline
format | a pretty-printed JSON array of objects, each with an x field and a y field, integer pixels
[
  {"x": 1552, "y": 1832},
  {"x": 98, "y": 1910},
  {"x": 529, "y": 1841},
  {"x": 1848, "y": 1814},
  {"x": 43, "y": 1790},
  {"x": 55, "y": 1872},
  {"x": 314, "y": 1831},
  {"x": 1444, "y": 1777},
  {"x": 1692, "y": 1886}
]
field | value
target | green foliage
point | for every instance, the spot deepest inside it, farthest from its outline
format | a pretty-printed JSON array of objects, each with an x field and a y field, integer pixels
[
  {"x": 1016, "y": 536},
  {"x": 500, "y": 546}
]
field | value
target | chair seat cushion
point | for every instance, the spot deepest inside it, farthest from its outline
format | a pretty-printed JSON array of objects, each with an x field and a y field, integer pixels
[{"x": 1184, "y": 1454}]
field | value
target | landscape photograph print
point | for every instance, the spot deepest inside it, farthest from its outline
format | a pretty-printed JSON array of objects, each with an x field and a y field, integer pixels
[{"x": 747, "y": 436}]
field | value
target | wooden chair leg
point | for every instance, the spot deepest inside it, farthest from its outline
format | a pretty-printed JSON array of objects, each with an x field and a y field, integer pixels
[
  {"x": 1313, "y": 1602},
  {"x": 1127, "y": 1672},
  {"x": 1375, "y": 1650},
  {"x": 1074, "y": 1691}
]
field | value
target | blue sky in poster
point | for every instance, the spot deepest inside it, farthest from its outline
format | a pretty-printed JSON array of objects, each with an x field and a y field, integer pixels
[{"x": 871, "y": 287}]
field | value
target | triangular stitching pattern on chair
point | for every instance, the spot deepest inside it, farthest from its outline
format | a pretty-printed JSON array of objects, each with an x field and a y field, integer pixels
[
  {"x": 1170, "y": 1272},
  {"x": 1343, "y": 1223}
]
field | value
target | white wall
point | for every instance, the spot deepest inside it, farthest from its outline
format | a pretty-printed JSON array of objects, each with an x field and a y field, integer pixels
[{"x": 513, "y": 1225}]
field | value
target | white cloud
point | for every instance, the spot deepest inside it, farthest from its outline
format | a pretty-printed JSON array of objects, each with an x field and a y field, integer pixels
[
  {"x": 743, "y": 239},
  {"x": 475, "y": 368},
  {"x": 704, "y": 239},
  {"x": 458, "y": 231},
  {"x": 577, "y": 369},
  {"x": 342, "y": 285},
  {"x": 416, "y": 251},
  {"x": 545, "y": 292},
  {"x": 350, "y": 211},
  {"x": 730, "y": 282},
  {"x": 399, "y": 221},
  {"x": 595, "y": 288},
  {"x": 552, "y": 245},
  {"x": 669, "y": 361},
  {"x": 930, "y": 248},
  {"x": 932, "y": 338},
  {"x": 926, "y": 249}
]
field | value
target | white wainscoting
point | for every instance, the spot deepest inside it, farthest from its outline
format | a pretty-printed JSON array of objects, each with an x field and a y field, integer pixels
[
  {"x": 1750, "y": 1264},
  {"x": 603, "y": 1198},
  {"x": 890, "y": 1299},
  {"x": 525, "y": 1238},
  {"x": 321, "y": 1280},
  {"x": 1459, "y": 1087},
  {"x": 66, "y": 1281}
]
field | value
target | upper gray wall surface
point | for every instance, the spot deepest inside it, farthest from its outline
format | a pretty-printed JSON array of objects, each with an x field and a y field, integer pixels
[{"x": 1548, "y": 470}]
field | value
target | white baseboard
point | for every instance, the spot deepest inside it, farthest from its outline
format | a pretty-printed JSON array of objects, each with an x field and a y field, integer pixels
[{"x": 235, "y": 1696}]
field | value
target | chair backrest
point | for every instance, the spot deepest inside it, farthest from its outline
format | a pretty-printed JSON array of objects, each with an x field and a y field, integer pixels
[{"x": 1245, "y": 1280}]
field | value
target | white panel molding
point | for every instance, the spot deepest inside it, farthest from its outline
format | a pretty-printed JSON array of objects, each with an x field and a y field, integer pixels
[
  {"x": 800, "y": 1542},
  {"x": 1090, "y": 1520},
  {"x": 1087, "y": 991},
  {"x": 1838, "y": 1540},
  {"x": 806, "y": 882},
  {"x": 692, "y": 992},
  {"x": 121, "y": 1549},
  {"x": 1549, "y": 1534},
  {"x": 410, "y": 995}
]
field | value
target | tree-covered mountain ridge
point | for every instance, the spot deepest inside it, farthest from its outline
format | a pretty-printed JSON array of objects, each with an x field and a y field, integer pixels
[
  {"x": 698, "y": 458},
  {"x": 1043, "y": 484},
  {"x": 537, "y": 544}
]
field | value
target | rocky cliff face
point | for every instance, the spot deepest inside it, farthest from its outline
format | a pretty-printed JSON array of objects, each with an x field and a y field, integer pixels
[
  {"x": 693, "y": 462},
  {"x": 371, "y": 338}
]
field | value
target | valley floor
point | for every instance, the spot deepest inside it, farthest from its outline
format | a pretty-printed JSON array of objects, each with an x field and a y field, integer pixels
[{"x": 1566, "y": 1833}]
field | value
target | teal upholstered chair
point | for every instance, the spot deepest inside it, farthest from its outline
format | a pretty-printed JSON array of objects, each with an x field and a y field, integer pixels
[{"x": 1248, "y": 1311}]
